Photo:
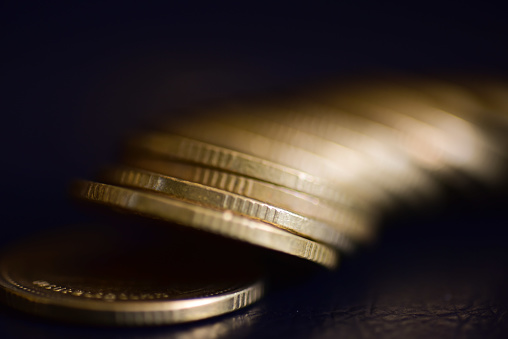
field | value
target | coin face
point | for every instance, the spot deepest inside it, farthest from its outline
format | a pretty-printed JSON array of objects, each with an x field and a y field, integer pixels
[
  {"x": 224, "y": 223},
  {"x": 101, "y": 275}
]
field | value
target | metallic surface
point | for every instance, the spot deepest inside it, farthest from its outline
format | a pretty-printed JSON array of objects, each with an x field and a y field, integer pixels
[
  {"x": 76, "y": 275},
  {"x": 190, "y": 150},
  {"x": 340, "y": 169},
  {"x": 313, "y": 127},
  {"x": 223, "y": 200},
  {"x": 359, "y": 225},
  {"x": 223, "y": 223}
]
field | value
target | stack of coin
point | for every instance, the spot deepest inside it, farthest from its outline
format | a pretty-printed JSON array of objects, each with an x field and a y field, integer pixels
[{"x": 309, "y": 173}]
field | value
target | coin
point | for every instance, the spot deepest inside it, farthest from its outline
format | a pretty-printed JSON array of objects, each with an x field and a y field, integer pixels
[
  {"x": 378, "y": 142},
  {"x": 359, "y": 224},
  {"x": 224, "y": 200},
  {"x": 341, "y": 145},
  {"x": 395, "y": 171},
  {"x": 467, "y": 146},
  {"x": 203, "y": 218},
  {"x": 342, "y": 171},
  {"x": 105, "y": 276},
  {"x": 413, "y": 137},
  {"x": 491, "y": 94},
  {"x": 261, "y": 146},
  {"x": 457, "y": 142},
  {"x": 194, "y": 151}
]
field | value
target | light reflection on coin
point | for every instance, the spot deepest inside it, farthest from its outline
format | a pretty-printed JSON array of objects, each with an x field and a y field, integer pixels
[
  {"x": 174, "y": 147},
  {"x": 203, "y": 218},
  {"x": 224, "y": 200},
  {"x": 319, "y": 129},
  {"x": 454, "y": 142},
  {"x": 341, "y": 172},
  {"x": 129, "y": 277},
  {"x": 357, "y": 223}
]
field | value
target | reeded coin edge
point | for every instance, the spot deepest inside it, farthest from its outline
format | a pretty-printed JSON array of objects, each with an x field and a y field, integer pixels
[
  {"x": 223, "y": 223},
  {"x": 127, "y": 313},
  {"x": 217, "y": 198},
  {"x": 195, "y": 151},
  {"x": 357, "y": 224}
]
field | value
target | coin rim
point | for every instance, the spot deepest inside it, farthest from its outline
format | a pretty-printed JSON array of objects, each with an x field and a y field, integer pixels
[
  {"x": 223, "y": 223},
  {"x": 127, "y": 313},
  {"x": 293, "y": 222},
  {"x": 195, "y": 151},
  {"x": 357, "y": 224}
]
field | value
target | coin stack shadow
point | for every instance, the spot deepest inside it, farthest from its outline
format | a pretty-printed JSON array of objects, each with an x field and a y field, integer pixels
[{"x": 310, "y": 173}]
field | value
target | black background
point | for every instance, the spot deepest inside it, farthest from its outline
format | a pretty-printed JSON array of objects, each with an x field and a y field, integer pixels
[{"x": 77, "y": 77}]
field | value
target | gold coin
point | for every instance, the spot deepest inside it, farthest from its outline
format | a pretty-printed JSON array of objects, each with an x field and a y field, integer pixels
[
  {"x": 194, "y": 151},
  {"x": 260, "y": 146},
  {"x": 125, "y": 277},
  {"x": 454, "y": 106},
  {"x": 359, "y": 225},
  {"x": 342, "y": 171},
  {"x": 199, "y": 217},
  {"x": 445, "y": 94},
  {"x": 456, "y": 143},
  {"x": 489, "y": 106},
  {"x": 464, "y": 144},
  {"x": 378, "y": 142},
  {"x": 343, "y": 146},
  {"x": 224, "y": 200},
  {"x": 415, "y": 138},
  {"x": 334, "y": 133}
]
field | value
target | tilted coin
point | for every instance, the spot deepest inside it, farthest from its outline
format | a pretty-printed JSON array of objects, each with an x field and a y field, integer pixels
[
  {"x": 410, "y": 135},
  {"x": 261, "y": 146},
  {"x": 456, "y": 142},
  {"x": 341, "y": 145},
  {"x": 220, "y": 199},
  {"x": 359, "y": 224},
  {"x": 377, "y": 141},
  {"x": 342, "y": 171},
  {"x": 493, "y": 98},
  {"x": 468, "y": 146},
  {"x": 106, "y": 276},
  {"x": 194, "y": 151},
  {"x": 446, "y": 95},
  {"x": 224, "y": 223},
  {"x": 395, "y": 171}
]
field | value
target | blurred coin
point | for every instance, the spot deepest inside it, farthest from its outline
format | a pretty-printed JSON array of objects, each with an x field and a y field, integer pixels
[
  {"x": 492, "y": 94},
  {"x": 360, "y": 225},
  {"x": 457, "y": 142},
  {"x": 287, "y": 154},
  {"x": 224, "y": 200},
  {"x": 458, "y": 114},
  {"x": 341, "y": 145},
  {"x": 170, "y": 146},
  {"x": 105, "y": 276},
  {"x": 374, "y": 142},
  {"x": 224, "y": 223},
  {"x": 421, "y": 141}
]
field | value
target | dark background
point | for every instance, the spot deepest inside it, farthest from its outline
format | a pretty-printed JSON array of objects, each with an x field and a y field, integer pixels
[{"x": 77, "y": 77}]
